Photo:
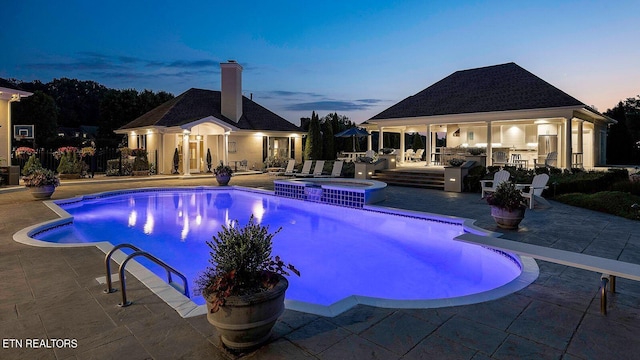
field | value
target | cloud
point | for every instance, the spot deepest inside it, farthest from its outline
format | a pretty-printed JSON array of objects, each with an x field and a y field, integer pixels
[{"x": 331, "y": 105}]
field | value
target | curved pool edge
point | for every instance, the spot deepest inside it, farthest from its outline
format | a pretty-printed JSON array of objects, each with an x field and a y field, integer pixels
[{"x": 185, "y": 307}]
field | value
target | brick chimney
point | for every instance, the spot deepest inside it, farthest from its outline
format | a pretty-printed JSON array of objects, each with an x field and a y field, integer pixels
[{"x": 231, "y": 90}]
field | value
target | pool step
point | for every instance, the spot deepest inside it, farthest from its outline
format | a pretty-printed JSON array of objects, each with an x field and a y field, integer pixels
[{"x": 422, "y": 179}]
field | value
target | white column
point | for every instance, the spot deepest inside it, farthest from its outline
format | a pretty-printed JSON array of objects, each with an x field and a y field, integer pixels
[
  {"x": 225, "y": 149},
  {"x": 402, "y": 146},
  {"x": 369, "y": 145},
  {"x": 186, "y": 154},
  {"x": 428, "y": 149},
  {"x": 380, "y": 141},
  {"x": 580, "y": 148},
  {"x": 489, "y": 147},
  {"x": 567, "y": 144}
]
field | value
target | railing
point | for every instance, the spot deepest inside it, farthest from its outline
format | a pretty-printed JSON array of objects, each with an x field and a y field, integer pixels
[{"x": 138, "y": 252}]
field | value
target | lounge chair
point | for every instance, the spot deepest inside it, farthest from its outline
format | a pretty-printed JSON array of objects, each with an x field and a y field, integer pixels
[
  {"x": 498, "y": 178},
  {"x": 534, "y": 190},
  {"x": 317, "y": 170},
  {"x": 499, "y": 158},
  {"x": 336, "y": 171},
  {"x": 306, "y": 169},
  {"x": 418, "y": 155},
  {"x": 291, "y": 168}
]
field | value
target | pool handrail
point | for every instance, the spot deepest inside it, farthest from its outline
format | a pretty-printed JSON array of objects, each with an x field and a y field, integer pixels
[
  {"x": 107, "y": 264},
  {"x": 166, "y": 266}
]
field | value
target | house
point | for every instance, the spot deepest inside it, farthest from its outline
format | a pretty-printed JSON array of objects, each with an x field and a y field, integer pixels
[
  {"x": 8, "y": 94},
  {"x": 232, "y": 127},
  {"x": 501, "y": 108}
]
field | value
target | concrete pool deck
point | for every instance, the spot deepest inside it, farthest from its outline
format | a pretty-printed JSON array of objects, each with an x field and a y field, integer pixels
[{"x": 51, "y": 293}]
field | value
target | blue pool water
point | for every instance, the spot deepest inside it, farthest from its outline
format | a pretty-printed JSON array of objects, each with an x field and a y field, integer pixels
[{"x": 339, "y": 251}]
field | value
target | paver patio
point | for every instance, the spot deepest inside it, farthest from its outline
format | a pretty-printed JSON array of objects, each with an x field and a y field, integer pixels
[{"x": 51, "y": 293}]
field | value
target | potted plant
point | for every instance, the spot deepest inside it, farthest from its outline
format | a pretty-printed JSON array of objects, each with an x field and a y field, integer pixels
[
  {"x": 455, "y": 162},
  {"x": 244, "y": 285},
  {"x": 176, "y": 161},
  {"x": 41, "y": 183},
  {"x": 507, "y": 205},
  {"x": 222, "y": 173}
]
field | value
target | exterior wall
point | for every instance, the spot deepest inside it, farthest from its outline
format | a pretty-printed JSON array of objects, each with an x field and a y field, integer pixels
[
  {"x": 248, "y": 147},
  {"x": 5, "y": 133}
]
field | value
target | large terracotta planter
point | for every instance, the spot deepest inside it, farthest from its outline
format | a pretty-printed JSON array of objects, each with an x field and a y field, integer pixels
[
  {"x": 245, "y": 322},
  {"x": 507, "y": 219},
  {"x": 42, "y": 192},
  {"x": 223, "y": 180}
]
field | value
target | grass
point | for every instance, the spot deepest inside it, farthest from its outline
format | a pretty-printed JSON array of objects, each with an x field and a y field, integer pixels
[{"x": 610, "y": 202}]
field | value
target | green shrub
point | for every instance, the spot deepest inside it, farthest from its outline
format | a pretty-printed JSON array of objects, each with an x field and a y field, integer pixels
[
  {"x": 31, "y": 165},
  {"x": 610, "y": 202}
]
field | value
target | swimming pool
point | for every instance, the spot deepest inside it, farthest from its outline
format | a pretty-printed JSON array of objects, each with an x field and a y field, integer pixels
[{"x": 347, "y": 256}]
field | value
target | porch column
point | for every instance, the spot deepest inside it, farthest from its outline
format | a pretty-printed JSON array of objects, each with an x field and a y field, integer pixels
[
  {"x": 289, "y": 147},
  {"x": 568, "y": 148},
  {"x": 402, "y": 146},
  {"x": 428, "y": 149},
  {"x": 369, "y": 145},
  {"x": 580, "y": 148},
  {"x": 489, "y": 147},
  {"x": 381, "y": 139},
  {"x": 225, "y": 149},
  {"x": 186, "y": 154}
]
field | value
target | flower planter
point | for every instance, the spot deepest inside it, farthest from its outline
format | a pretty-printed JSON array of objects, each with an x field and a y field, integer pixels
[
  {"x": 42, "y": 192},
  {"x": 507, "y": 219},
  {"x": 245, "y": 322},
  {"x": 223, "y": 180}
]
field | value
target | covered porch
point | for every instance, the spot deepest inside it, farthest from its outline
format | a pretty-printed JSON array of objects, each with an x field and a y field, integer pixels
[{"x": 525, "y": 137}]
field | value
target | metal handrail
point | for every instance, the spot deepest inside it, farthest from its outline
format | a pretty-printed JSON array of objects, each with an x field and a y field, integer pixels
[
  {"x": 107, "y": 264},
  {"x": 157, "y": 261}
]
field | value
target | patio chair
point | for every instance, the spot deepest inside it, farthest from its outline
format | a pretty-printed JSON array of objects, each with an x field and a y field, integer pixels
[
  {"x": 418, "y": 155},
  {"x": 499, "y": 158},
  {"x": 514, "y": 160},
  {"x": 549, "y": 161},
  {"x": 317, "y": 170},
  {"x": 336, "y": 171},
  {"x": 306, "y": 169},
  {"x": 498, "y": 178},
  {"x": 534, "y": 190},
  {"x": 408, "y": 154},
  {"x": 290, "y": 169}
]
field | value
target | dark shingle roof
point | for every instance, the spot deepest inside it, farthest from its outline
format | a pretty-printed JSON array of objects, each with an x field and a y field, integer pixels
[
  {"x": 493, "y": 88},
  {"x": 195, "y": 104}
]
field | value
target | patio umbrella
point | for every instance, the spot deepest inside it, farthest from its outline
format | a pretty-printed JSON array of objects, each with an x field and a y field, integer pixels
[{"x": 353, "y": 133}]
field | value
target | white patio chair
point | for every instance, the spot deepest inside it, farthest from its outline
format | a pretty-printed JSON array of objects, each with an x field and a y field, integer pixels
[
  {"x": 418, "y": 155},
  {"x": 550, "y": 160},
  {"x": 317, "y": 170},
  {"x": 291, "y": 168},
  {"x": 534, "y": 190},
  {"x": 336, "y": 171},
  {"x": 499, "y": 158},
  {"x": 498, "y": 178},
  {"x": 306, "y": 169},
  {"x": 408, "y": 154}
]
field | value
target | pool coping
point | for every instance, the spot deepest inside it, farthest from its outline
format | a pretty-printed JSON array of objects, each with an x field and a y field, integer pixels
[{"x": 187, "y": 308}]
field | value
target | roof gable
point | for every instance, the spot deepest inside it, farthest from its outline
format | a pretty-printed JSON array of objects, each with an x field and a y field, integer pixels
[
  {"x": 494, "y": 88},
  {"x": 195, "y": 104}
]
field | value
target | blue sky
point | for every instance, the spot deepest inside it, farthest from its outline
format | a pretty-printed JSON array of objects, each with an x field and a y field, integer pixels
[{"x": 353, "y": 57}]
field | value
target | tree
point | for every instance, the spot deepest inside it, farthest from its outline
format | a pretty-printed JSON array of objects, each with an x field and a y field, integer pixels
[
  {"x": 313, "y": 144},
  {"x": 622, "y": 142},
  {"x": 417, "y": 142},
  {"x": 328, "y": 140},
  {"x": 39, "y": 110}
]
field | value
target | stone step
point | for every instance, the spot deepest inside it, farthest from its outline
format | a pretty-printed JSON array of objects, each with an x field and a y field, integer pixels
[{"x": 428, "y": 180}]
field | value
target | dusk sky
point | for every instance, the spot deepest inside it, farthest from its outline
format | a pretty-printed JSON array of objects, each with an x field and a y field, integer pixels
[{"x": 353, "y": 57}]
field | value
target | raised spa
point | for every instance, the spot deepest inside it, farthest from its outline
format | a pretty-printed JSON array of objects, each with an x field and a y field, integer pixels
[
  {"x": 346, "y": 255},
  {"x": 336, "y": 191}
]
